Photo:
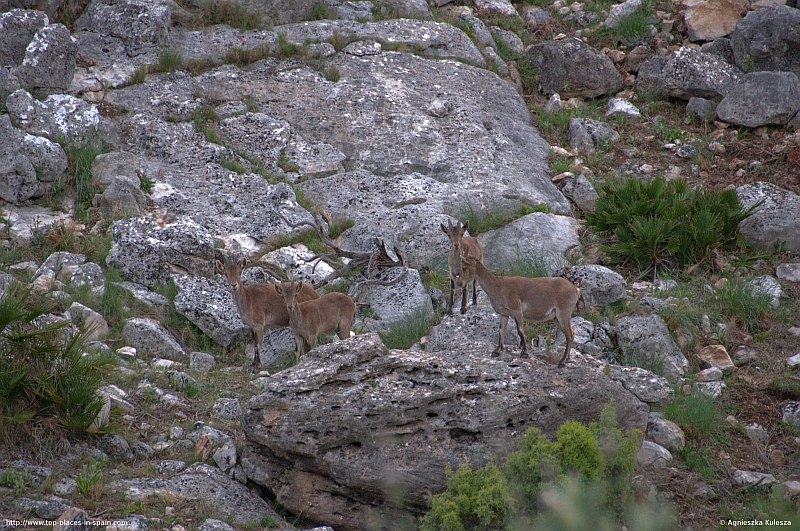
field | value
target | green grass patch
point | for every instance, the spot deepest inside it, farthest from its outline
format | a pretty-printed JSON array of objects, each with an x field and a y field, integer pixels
[
  {"x": 81, "y": 153},
  {"x": 233, "y": 14},
  {"x": 408, "y": 332},
  {"x": 697, "y": 414},
  {"x": 631, "y": 27}
]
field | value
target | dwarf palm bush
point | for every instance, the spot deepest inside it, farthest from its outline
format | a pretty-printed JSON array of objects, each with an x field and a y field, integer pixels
[
  {"x": 45, "y": 374},
  {"x": 661, "y": 223}
]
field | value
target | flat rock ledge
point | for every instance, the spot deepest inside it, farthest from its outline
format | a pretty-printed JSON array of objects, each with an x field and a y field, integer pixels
[{"x": 356, "y": 433}]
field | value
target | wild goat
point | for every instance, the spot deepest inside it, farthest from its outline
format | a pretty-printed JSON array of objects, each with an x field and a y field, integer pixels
[
  {"x": 461, "y": 246},
  {"x": 259, "y": 305},
  {"x": 534, "y": 299},
  {"x": 333, "y": 312}
]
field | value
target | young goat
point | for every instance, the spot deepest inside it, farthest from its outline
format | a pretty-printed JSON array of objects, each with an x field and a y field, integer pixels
[
  {"x": 259, "y": 305},
  {"x": 534, "y": 299},
  {"x": 333, "y": 312},
  {"x": 461, "y": 246}
]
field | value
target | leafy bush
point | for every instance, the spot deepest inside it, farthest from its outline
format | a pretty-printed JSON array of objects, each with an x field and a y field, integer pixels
[
  {"x": 474, "y": 500},
  {"x": 661, "y": 223},
  {"x": 599, "y": 455},
  {"x": 44, "y": 373}
]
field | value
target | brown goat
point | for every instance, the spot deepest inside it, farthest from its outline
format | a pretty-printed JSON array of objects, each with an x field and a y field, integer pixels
[
  {"x": 259, "y": 305},
  {"x": 535, "y": 299},
  {"x": 460, "y": 274},
  {"x": 333, "y": 312}
]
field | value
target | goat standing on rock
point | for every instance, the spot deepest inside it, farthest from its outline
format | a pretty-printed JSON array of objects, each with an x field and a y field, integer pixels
[
  {"x": 535, "y": 299},
  {"x": 461, "y": 246},
  {"x": 259, "y": 305},
  {"x": 333, "y": 312}
]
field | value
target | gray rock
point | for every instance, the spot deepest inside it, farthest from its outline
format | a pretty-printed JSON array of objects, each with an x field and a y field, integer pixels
[
  {"x": 537, "y": 15},
  {"x": 599, "y": 285},
  {"x": 791, "y": 361},
  {"x": 397, "y": 303},
  {"x": 768, "y": 39},
  {"x": 116, "y": 447},
  {"x": 496, "y": 7},
  {"x": 297, "y": 262},
  {"x": 742, "y": 355},
  {"x": 766, "y": 285},
  {"x": 777, "y": 219},
  {"x": 90, "y": 275},
  {"x": 122, "y": 197},
  {"x": 509, "y": 39},
  {"x": 142, "y": 450},
  {"x": 753, "y": 479},
  {"x": 572, "y": 68},
  {"x": 277, "y": 350},
  {"x": 667, "y": 434},
  {"x": 201, "y": 361},
  {"x": 710, "y": 389},
  {"x": 61, "y": 265},
  {"x": 56, "y": 117},
  {"x": 432, "y": 39},
  {"x": 144, "y": 296},
  {"x": 149, "y": 336},
  {"x": 209, "y": 304},
  {"x": 483, "y": 37},
  {"x": 538, "y": 240},
  {"x": 479, "y": 325},
  {"x": 37, "y": 473},
  {"x": 227, "y": 409},
  {"x": 18, "y": 180},
  {"x": 646, "y": 341},
  {"x": 495, "y": 62},
  {"x": 362, "y": 431},
  {"x": 225, "y": 455},
  {"x": 49, "y": 62},
  {"x": 791, "y": 415},
  {"x": 180, "y": 379},
  {"x": 621, "y": 106},
  {"x": 149, "y": 253},
  {"x": 648, "y": 387},
  {"x": 621, "y": 11},
  {"x": 9, "y": 83},
  {"x": 207, "y": 483},
  {"x": 712, "y": 374},
  {"x": 50, "y": 510},
  {"x": 688, "y": 73},
  {"x": 652, "y": 455},
  {"x": 762, "y": 98},
  {"x": 586, "y": 135},
  {"x": 89, "y": 321},
  {"x": 715, "y": 356},
  {"x": 702, "y": 109},
  {"x": 216, "y": 41},
  {"x": 721, "y": 48},
  {"x": 215, "y": 525},
  {"x": 19, "y": 27},
  {"x": 170, "y": 467},
  {"x": 65, "y": 487},
  {"x": 214, "y": 435},
  {"x": 790, "y": 272},
  {"x": 580, "y": 191},
  {"x": 107, "y": 166},
  {"x": 74, "y": 519},
  {"x": 756, "y": 432},
  {"x": 117, "y": 396},
  {"x": 135, "y": 22}
]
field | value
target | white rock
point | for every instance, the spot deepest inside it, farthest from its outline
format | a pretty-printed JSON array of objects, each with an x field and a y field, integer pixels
[
  {"x": 753, "y": 479},
  {"x": 653, "y": 455}
]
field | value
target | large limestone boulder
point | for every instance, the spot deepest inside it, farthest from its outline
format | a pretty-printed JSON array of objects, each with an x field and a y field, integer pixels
[
  {"x": 762, "y": 98},
  {"x": 644, "y": 340},
  {"x": 431, "y": 39},
  {"x": 707, "y": 20},
  {"x": 688, "y": 73},
  {"x": 768, "y": 39},
  {"x": 49, "y": 62},
  {"x": 777, "y": 219},
  {"x": 600, "y": 286},
  {"x": 572, "y": 68},
  {"x": 336, "y": 436},
  {"x": 209, "y": 304},
  {"x": 133, "y": 21},
  {"x": 149, "y": 253},
  {"x": 204, "y": 483},
  {"x": 17, "y": 28},
  {"x": 538, "y": 240},
  {"x": 58, "y": 116}
]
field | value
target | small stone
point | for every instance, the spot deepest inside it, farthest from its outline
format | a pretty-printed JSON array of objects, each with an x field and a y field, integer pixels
[
  {"x": 712, "y": 374},
  {"x": 743, "y": 355},
  {"x": 200, "y": 361},
  {"x": 653, "y": 455},
  {"x": 215, "y": 525},
  {"x": 756, "y": 432},
  {"x": 791, "y": 489},
  {"x": 711, "y": 389},
  {"x": 753, "y": 479},
  {"x": 732, "y": 421},
  {"x": 175, "y": 432},
  {"x": 227, "y": 408},
  {"x": 225, "y": 456},
  {"x": 160, "y": 363},
  {"x": 790, "y": 272},
  {"x": 716, "y": 356},
  {"x": 716, "y": 147},
  {"x": 116, "y": 446},
  {"x": 667, "y": 434},
  {"x": 791, "y": 415},
  {"x": 777, "y": 457},
  {"x": 170, "y": 467},
  {"x": 65, "y": 487},
  {"x": 795, "y": 331},
  {"x": 127, "y": 351},
  {"x": 793, "y": 360}
]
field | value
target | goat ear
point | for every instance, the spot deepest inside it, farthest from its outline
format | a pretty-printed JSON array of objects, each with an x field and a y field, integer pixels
[
  {"x": 279, "y": 288},
  {"x": 444, "y": 229},
  {"x": 218, "y": 267},
  {"x": 245, "y": 263},
  {"x": 466, "y": 226}
]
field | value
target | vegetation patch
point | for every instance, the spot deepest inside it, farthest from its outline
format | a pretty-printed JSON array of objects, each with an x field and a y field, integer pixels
[
  {"x": 488, "y": 217},
  {"x": 408, "y": 332}
]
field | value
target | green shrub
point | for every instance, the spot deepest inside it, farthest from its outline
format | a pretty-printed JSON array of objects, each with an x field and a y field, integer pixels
[
  {"x": 81, "y": 153},
  {"x": 231, "y": 13},
  {"x": 579, "y": 451},
  {"x": 697, "y": 414},
  {"x": 661, "y": 223},
  {"x": 44, "y": 373},
  {"x": 475, "y": 500},
  {"x": 488, "y": 217},
  {"x": 168, "y": 61},
  {"x": 407, "y": 332},
  {"x": 532, "y": 465}
]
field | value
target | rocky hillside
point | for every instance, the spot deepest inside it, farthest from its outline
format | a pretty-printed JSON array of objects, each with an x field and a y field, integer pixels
[{"x": 143, "y": 143}]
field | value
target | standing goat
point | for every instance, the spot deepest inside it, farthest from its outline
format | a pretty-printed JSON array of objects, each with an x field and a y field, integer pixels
[
  {"x": 259, "y": 305},
  {"x": 461, "y": 246},
  {"x": 534, "y": 299},
  {"x": 333, "y": 312}
]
